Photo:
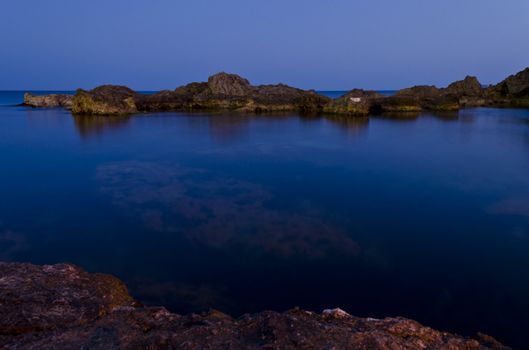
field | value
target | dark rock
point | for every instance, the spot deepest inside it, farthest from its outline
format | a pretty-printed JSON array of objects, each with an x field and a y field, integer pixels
[
  {"x": 396, "y": 104},
  {"x": 63, "y": 307},
  {"x": 38, "y": 298},
  {"x": 105, "y": 100},
  {"x": 355, "y": 102},
  {"x": 282, "y": 97},
  {"x": 511, "y": 92},
  {"x": 419, "y": 92},
  {"x": 231, "y": 92},
  {"x": 223, "y": 84},
  {"x": 516, "y": 85},
  {"x": 225, "y": 91},
  {"x": 47, "y": 101},
  {"x": 468, "y": 87}
]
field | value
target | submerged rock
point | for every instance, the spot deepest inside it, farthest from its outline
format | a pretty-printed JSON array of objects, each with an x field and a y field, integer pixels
[
  {"x": 64, "y": 307},
  {"x": 47, "y": 101}
]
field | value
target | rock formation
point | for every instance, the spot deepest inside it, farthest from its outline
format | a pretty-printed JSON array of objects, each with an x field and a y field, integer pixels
[
  {"x": 468, "y": 87},
  {"x": 104, "y": 100},
  {"x": 355, "y": 102},
  {"x": 511, "y": 92},
  {"x": 47, "y": 101},
  {"x": 231, "y": 92},
  {"x": 64, "y": 307},
  {"x": 222, "y": 91}
]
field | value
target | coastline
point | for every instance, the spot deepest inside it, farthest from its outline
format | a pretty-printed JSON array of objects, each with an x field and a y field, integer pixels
[
  {"x": 230, "y": 92},
  {"x": 63, "y": 307}
]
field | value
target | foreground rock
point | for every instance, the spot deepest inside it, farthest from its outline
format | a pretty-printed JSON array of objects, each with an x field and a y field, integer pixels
[
  {"x": 47, "y": 101},
  {"x": 222, "y": 92},
  {"x": 63, "y": 307}
]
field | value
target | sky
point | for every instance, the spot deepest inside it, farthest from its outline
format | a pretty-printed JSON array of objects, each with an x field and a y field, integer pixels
[{"x": 312, "y": 44}]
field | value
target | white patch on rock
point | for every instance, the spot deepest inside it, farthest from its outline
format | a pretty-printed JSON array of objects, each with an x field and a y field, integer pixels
[
  {"x": 356, "y": 99},
  {"x": 337, "y": 313}
]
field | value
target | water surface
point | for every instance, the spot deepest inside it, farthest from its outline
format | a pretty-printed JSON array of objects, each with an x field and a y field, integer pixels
[{"x": 423, "y": 216}]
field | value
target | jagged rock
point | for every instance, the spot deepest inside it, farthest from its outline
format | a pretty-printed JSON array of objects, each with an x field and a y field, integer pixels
[
  {"x": 47, "y": 101},
  {"x": 511, "y": 92},
  {"x": 468, "y": 87},
  {"x": 225, "y": 84},
  {"x": 516, "y": 85},
  {"x": 63, "y": 307},
  {"x": 231, "y": 92},
  {"x": 105, "y": 100}
]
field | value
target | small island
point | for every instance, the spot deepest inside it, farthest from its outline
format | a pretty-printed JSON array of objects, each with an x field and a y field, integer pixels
[{"x": 231, "y": 92}]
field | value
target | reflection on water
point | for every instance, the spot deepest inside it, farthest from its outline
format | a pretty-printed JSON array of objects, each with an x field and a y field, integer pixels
[
  {"x": 424, "y": 216},
  {"x": 88, "y": 126},
  {"x": 353, "y": 126}
]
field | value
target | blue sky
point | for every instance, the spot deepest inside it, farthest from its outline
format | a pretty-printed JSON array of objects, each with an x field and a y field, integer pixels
[{"x": 332, "y": 44}]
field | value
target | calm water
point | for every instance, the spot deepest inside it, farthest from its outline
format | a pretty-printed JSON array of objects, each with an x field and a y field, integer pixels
[{"x": 425, "y": 217}]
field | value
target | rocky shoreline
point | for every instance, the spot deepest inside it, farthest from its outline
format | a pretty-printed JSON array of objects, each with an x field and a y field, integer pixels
[
  {"x": 231, "y": 92},
  {"x": 64, "y": 307}
]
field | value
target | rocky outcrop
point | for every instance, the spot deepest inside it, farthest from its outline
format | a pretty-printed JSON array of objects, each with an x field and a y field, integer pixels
[
  {"x": 222, "y": 92},
  {"x": 105, "y": 100},
  {"x": 355, "y": 102},
  {"x": 460, "y": 94},
  {"x": 225, "y": 91},
  {"x": 515, "y": 85},
  {"x": 419, "y": 92},
  {"x": 223, "y": 84},
  {"x": 64, "y": 307},
  {"x": 511, "y": 92},
  {"x": 468, "y": 87},
  {"x": 47, "y": 101}
]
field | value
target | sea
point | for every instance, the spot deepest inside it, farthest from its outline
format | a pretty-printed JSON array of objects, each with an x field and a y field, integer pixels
[{"x": 424, "y": 216}]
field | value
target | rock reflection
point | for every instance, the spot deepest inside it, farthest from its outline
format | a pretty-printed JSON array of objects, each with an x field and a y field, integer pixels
[
  {"x": 445, "y": 116},
  {"x": 89, "y": 126},
  {"x": 352, "y": 125},
  {"x": 227, "y": 128},
  {"x": 219, "y": 212},
  {"x": 400, "y": 116}
]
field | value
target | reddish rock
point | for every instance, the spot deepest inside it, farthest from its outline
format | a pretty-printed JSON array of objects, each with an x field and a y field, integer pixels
[{"x": 64, "y": 307}]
